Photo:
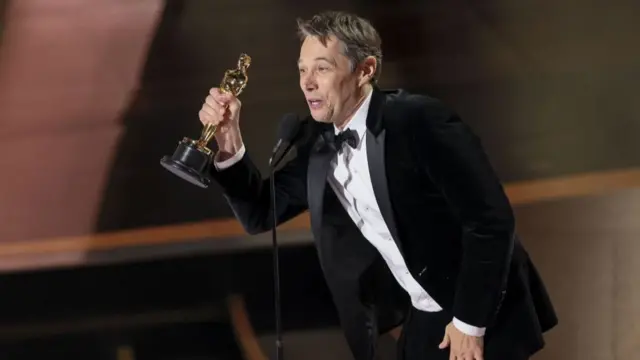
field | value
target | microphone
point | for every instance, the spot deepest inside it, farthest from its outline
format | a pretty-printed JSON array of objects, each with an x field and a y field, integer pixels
[{"x": 288, "y": 133}]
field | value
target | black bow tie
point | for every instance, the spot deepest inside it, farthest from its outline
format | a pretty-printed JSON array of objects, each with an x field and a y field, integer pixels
[{"x": 348, "y": 136}]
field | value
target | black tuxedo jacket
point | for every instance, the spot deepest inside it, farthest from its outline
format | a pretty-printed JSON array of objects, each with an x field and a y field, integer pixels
[{"x": 443, "y": 204}]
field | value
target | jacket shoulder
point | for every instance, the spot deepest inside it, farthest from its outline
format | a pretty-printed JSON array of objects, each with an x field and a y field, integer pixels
[{"x": 407, "y": 107}]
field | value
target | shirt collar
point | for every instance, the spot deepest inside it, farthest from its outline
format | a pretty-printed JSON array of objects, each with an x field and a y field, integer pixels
[{"x": 358, "y": 122}]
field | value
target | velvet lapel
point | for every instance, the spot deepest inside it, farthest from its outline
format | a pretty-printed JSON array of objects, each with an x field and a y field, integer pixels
[
  {"x": 376, "y": 136},
  {"x": 319, "y": 164}
]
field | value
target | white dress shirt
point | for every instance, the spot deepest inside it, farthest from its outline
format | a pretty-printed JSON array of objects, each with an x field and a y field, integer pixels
[{"x": 350, "y": 180}]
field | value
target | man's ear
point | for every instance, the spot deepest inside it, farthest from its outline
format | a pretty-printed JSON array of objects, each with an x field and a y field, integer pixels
[{"x": 368, "y": 69}]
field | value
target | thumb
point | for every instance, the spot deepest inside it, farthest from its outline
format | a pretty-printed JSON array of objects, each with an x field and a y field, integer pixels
[{"x": 445, "y": 342}]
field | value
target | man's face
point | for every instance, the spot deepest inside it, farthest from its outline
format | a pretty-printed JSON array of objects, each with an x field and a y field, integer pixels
[{"x": 331, "y": 88}]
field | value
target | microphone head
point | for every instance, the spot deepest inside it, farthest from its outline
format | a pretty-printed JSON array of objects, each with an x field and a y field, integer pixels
[{"x": 289, "y": 127}]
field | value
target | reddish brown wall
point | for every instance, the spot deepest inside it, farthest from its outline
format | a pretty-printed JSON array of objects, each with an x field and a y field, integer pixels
[{"x": 67, "y": 70}]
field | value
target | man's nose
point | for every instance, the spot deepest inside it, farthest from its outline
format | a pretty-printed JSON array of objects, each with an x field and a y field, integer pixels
[{"x": 309, "y": 83}]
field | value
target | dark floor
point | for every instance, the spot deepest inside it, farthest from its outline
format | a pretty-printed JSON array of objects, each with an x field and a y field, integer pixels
[
  {"x": 103, "y": 308},
  {"x": 210, "y": 340},
  {"x": 585, "y": 249}
]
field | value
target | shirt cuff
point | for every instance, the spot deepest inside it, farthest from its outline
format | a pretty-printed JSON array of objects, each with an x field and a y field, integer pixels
[
  {"x": 468, "y": 329},
  {"x": 221, "y": 165}
]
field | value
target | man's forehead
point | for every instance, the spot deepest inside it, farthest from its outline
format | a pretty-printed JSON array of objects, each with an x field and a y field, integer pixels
[
  {"x": 316, "y": 43},
  {"x": 313, "y": 49}
]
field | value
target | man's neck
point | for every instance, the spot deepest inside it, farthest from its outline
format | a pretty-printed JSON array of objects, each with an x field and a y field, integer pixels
[{"x": 341, "y": 125}]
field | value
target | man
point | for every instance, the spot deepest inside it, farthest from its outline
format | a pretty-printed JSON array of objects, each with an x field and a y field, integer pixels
[{"x": 396, "y": 179}]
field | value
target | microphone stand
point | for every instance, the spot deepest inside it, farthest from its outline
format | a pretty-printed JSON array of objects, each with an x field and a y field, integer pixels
[
  {"x": 273, "y": 163},
  {"x": 276, "y": 267}
]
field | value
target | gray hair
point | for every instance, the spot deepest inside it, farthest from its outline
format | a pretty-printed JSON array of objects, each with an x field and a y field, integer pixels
[{"x": 358, "y": 37}]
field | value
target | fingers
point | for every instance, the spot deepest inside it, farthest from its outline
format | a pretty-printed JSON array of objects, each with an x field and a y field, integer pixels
[
  {"x": 466, "y": 357},
  {"x": 222, "y": 97},
  {"x": 461, "y": 347},
  {"x": 218, "y": 107},
  {"x": 212, "y": 112},
  {"x": 455, "y": 353},
  {"x": 460, "y": 356},
  {"x": 214, "y": 107},
  {"x": 445, "y": 341},
  {"x": 478, "y": 354}
]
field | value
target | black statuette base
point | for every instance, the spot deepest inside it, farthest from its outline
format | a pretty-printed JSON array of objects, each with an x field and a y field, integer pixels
[{"x": 190, "y": 163}]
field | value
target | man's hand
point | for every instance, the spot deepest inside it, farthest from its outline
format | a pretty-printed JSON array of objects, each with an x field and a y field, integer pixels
[
  {"x": 223, "y": 110},
  {"x": 463, "y": 346}
]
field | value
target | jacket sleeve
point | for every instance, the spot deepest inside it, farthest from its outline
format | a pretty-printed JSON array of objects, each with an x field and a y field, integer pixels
[
  {"x": 456, "y": 162},
  {"x": 249, "y": 195}
]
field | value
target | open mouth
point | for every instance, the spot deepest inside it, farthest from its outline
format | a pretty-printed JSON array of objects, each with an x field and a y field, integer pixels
[{"x": 314, "y": 104}]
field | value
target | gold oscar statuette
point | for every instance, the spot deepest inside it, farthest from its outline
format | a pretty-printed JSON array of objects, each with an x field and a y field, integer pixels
[{"x": 192, "y": 158}]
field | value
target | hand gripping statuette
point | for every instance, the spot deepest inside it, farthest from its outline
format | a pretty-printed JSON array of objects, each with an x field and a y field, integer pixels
[{"x": 192, "y": 158}]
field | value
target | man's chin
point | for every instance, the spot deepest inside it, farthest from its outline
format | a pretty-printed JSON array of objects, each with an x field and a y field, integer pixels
[{"x": 322, "y": 118}]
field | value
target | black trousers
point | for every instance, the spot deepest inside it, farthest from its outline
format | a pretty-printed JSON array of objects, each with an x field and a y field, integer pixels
[{"x": 422, "y": 332}]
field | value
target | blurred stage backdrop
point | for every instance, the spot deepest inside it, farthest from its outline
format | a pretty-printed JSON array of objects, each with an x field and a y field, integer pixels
[{"x": 94, "y": 92}]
